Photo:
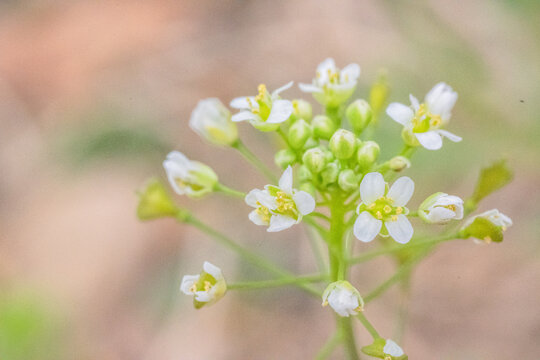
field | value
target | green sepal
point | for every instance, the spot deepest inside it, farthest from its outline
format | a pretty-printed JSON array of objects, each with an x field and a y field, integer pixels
[
  {"x": 491, "y": 179},
  {"x": 155, "y": 201},
  {"x": 483, "y": 229}
]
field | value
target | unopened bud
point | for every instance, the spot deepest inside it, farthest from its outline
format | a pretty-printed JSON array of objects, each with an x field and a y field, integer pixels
[
  {"x": 304, "y": 174},
  {"x": 359, "y": 114},
  {"x": 323, "y": 127},
  {"x": 399, "y": 163},
  {"x": 301, "y": 110},
  {"x": 315, "y": 160},
  {"x": 155, "y": 202},
  {"x": 330, "y": 174},
  {"x": 343, "y": 144},
  {"x": 299, "y": 133},
  {"x": 367, "y": 154},
  {"x": 348, "y": 180},
  {"x": 409, "y": 138},
  {"x": 309, "y": 188},
  {"x": 284, "y": 158},
  {"x": 378, "y": 93}
]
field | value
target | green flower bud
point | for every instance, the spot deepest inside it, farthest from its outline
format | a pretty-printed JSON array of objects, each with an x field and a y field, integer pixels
[
  {"x": 348, "y": 180},
  {"x": 310, "y": 143},
  {"x": 385, "y": 349},
  {"x": 315, "y": 160},
  {"x": 488, "y": 226},
  {"x": 399, "y": 163},
  {"x": 343, "y": 144},
  {"x": 284, "y": 158},
  {"x": 359, "y": 114},
  {"x": 309, "y": 188},
  {"x": 304, "y": 174},
  {"x": 323, "y": 127},
  {"x": 378, "y": 93},
  {"x": 330, "y": 174},
  {"x": 301, "y": 110},
  {"x": 367, "y": 154},
  {"x": 188, "y": 177},
  {"x": 409, "y": 138},
  {"x": 155, "y": 202},
  {"x": 299, "y": 133}
]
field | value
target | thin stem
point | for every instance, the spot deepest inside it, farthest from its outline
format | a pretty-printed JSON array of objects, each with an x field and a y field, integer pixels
[
  {"x": 403, "y": 313},
  {"x": 314, "y": 242},
  {"x": 264, "y": 284},
  {"x": 254, "y": 160},
  {"x": 320, "y": 229},
  {"x": 345, "y": 326},
  {"x": 369, "y": 327},
  {"x": 283, "y": 136},
  {"x": 321, "y": 216},
  {"x": 249, "y": 256},
  {"x": 228, "y": 191},
  {"x": 329, "y": 346}
]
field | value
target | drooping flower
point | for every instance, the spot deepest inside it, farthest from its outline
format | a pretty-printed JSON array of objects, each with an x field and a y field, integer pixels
[
  {"x": 188, "y": 177},
  {"x": 266, "y": 111},
  {"x": 332, "y": 86},
  {"x": 422, "y": 123},
  {"x": 207, "y": 287},
  {"x": 487, "y": 226},
  {"x": 279, "y": 207},
  {"x": 392, "y": 349},
  {"x": 385, "y": 349},
  {"x": 212, "y": 121},
  {"x": 383, "y": 211},
  {"x": 343, "y": 298},
  {"x": 440, "y": 208}
]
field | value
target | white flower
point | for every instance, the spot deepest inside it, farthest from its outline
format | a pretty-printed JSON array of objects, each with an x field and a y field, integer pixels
[
  {"x": 332, "y": 86},
  {"x": 383, "y": 211},
  {"x": 207, "y": 287},
  {"x": 392, "y": 349},
  {"x": 279, "y": 207},
  {"x": 212, "y": 121},
  {"x": 264, "y": 111},
  {"x": 343, "y": 298},
  {"x": 422, "y": 123},
  {"x": 188, "y": 177},
  {"x": 493, "y": 215},
  {"x": 440, "y": 208}
]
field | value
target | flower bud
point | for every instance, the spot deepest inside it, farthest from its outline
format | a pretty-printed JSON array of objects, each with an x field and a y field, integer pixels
[
  {"x": 155, "y": 202},
  {"x": 212, "y": 121},
  {"x": 440, "y": 208},
  {"x": 310, "y": 143},
  {"x": 315, "y": 160},
  {"x": 367, "y": 154},
  {"x": 359, "y": 114},
  {"x": 304, "y": 174},
  {"x": 299, "y": 133},
  {"x": 330, "y": 174},
  {"x": 348, "y": 180},
  {"x": 188, "y": 177},
  {"x": 301, "y": 110},
  {"x": 309, "y": 188},
  {"x": 408, "y": 137},
  {"x": 385, "y": 349},
  {"x": 207, "y": 287},
  {"x": 284, "y": 158},
  {"x": 378, "y": 93},
  {"x": 342, "y": 144},
  {"x": 323, "y": 127},
  {"x": 343, "y": 298},
  {"x": 399, "y": 163},
  {"x": 488, "y": 226}
]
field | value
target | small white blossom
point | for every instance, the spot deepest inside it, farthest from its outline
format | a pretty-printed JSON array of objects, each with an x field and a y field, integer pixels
[
  {"x": 422, "y": 122},
  {"x": 440, "y": 208},
  {"x": 332, "y": 86},
  {"x": 343, "y": 298},
  {"x": 392, "y": 349},
  {"x": 383, "y": 211},
  {"x": 207, "y": 287},
  {"x": 264, "y": 111},
  {"x": 188, "y": 177},
  {"x": 493, "y": 215},
  {"x": 212, "y": 121},
  {"x": 279, "y": 207}
]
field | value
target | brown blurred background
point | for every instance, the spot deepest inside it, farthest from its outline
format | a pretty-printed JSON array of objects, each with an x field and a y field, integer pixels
[{"x": 93, "y": 94}]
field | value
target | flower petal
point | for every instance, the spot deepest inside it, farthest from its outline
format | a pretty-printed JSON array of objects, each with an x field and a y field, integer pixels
[
  {"x": 400, "y": 230},
  {"x": 242, "y": 102},
  {"x": 440, "y": 214},
  {"x": 401, "y": 191},
  {"x": 280, "y": 222},
  {"x": 212, "y": 270},
  {"x": 256, "y": 218},
  {"x": 350, "y": 73},
  {"x": 310, "y": 88},
  {"x": 366, "y": 227},
  {"x": 276, "y": 92},
  {"x": 430, "y": 140},
  {"x": 400, "y": 113},
  {"x": 450, "y": 136},
  {"x": 251, "y": 198},
  {"x": 392, "y": 349},
  {"x": 281, "y": 111},
  {"x": 372, "y": 187},
  {"x": 286, "y": 180},
  {"x": 245, "y": 115},
  {"x": 414, "y": 102},
  {"x": 187, "y": 283},
  {"x": 304, "y": 202}
]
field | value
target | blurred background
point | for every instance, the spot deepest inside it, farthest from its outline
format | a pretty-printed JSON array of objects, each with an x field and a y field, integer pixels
[{"x": 93, "y": 94}]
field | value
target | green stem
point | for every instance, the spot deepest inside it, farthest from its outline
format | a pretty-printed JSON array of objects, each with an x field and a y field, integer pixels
[
  {"x": 369, "y": 327},
  {"x": 314, "y": 241},
  {"x": 345, "y": 326},
  {"x": 264, "y": 284},
  {"x": 329, "y": 346},
  {"x": 249, "y": 256},
  {"x": 228, "y": 191},
  {"x": 254, "y": 160},
  {"x": 403, "y": 313}
]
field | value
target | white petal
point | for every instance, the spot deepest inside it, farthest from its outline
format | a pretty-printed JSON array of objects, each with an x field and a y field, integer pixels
[
  {"x": 414, "y": 102},
  {"x": 280, "y": 222},
  {"x": 325, "y": 65},
  {"x": 187, "y": 283},
  {"x": 430, "y": 140},
  {"x": 286, "y": 180},
  {"x": 401, "y": 191},
  {"x": 245, "y": 115},
  {"x": 392, "y": 349},
  {"x": 310, "y": 88},
  {"x": 203, "y": 296},
  {"x": 281, "y": 111},
  {"x": 350, "y": 73},
  {"x": 276, "y": 92},
  {"x": 212, "y": 270},
  {"x": 265, "y": 199},
  {"x": 400, "y": 230},
  {"x": 372, "y": 187},
  {"x": 400, "y": 113},
  {"x": 243, "y": 102},
  {"x": 440, "y": 214},
  {"x": 441, "y": 99},
  {"x": 304, "y": 202},
  {"x": 251, "y": 198},
  {"x": 366, "y": 227},
  {"x": 449, "y": 135},
  {"x": 256, "y": 218}
]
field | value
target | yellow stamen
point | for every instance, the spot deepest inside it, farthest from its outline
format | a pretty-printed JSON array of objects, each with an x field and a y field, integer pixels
[
  {"x": 487, "y": 239},
  {"x": 193, "y": 288},
  {"x": 371, "y": 206},
  {"x": 394, "y": 217},
  {"x": 399, "y": 210},
  {"x": 378, "y": 215},
  {"x": 325, "y": 303},
  {"x": 207, "y": 285},
  {"x": 387, "y": 209}
]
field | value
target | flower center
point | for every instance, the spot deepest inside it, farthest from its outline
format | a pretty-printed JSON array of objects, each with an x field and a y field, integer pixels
[
  {"x": 382, "y": 209},
  {"x": 205, "y": 283},
  {"x": 286, "y": 205},
  {"x": 182, "y": 184},
  {"x": 263, "y": 213},
  {"x": 264, "y": 102},
  {"x": 424, "y": 120}
]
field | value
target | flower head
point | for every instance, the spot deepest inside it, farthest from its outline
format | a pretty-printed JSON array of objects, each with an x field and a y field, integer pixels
[
  {"x": 264, "y": 111},
  {"x": 440, "y": 208},
  {"x": 487, "y": 226},
  {"x": 343, "y": 298},
  {"x": 385, "y": 349},
  {"x": 383, "y": 210},
  {"x": 155, "y": 202},
  {"x": 189, "y": 177},
  {"x": 422, "y": 122},
  {"x": 279, "y": 207},
  {"x": 207, "y": 287},
  {"x": 212, "y": 121},
  {"x": 332, "y": 86}
]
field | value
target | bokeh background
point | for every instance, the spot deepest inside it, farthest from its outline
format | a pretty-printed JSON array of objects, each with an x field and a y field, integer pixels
[{"x": 94, "y": 93}]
